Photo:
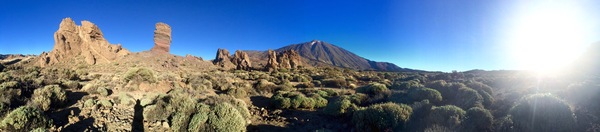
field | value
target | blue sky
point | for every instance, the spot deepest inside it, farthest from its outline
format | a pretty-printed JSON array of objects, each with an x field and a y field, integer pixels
[{"x": 438, "y": 35}]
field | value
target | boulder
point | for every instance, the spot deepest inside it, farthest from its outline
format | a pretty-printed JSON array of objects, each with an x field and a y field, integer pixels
[
  {"x": 162, "y": 38},
  {"x": 86, "y": 41},
  {"x": 241, "y": 60}
]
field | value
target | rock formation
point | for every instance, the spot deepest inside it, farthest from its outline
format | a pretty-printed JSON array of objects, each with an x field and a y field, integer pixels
[
  {"x": 284, "y": 61},
  {"x": 86, "y": 41},
  {"x": 294, "y": 58},
  {"x": 222, "y": 59},
  {"x": 241, "y": 60},
  {"x": 162, "y": 38},
  {"x": 272, "y": 61}
]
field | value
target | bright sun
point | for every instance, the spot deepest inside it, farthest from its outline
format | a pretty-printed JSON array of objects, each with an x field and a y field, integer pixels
[{"x": 547, "y": 36}]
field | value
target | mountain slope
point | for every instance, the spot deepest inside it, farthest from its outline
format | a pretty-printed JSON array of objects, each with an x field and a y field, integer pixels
[{"x": 316, "y": 51}]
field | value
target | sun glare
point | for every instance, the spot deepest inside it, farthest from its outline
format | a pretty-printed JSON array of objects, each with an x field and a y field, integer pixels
[{"x": 547, "y": 36}]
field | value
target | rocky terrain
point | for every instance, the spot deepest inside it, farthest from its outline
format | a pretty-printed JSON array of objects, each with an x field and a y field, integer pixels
[{"x": 87, "y": 84}]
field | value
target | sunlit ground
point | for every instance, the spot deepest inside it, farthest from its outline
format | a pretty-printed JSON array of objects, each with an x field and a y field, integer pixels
[{"x": 546, "y": 37}]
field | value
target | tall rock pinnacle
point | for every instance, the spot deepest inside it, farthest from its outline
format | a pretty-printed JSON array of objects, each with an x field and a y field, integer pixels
[{"x": 162, "y": 38}]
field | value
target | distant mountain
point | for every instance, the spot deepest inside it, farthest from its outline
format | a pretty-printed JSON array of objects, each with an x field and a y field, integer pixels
[{"x": 319, "y": 53}]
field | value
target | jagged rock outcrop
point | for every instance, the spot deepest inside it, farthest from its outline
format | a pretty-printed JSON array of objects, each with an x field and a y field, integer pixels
[
  {"x": 162, "y": 38},
  {"x": 272, "y": 61},
  {"x": 241, "y": 60},
  {"x": 222, "y": 59},
  {"x": 289, "y": 59},
  {"x": 72, "y": 42},
  {"x": 284, "y": 61}
]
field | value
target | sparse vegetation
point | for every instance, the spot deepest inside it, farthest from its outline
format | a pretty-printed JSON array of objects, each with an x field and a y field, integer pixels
[
  {"x": 25, "y": 118},
  {"x": 225, "y": 118},
  {"x": 382, "y": 117},
  {"x": 49, "y": 96},
  {"x": 140, "y": 75}
]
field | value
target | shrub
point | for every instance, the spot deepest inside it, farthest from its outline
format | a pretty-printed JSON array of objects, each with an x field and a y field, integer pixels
[
  {"x": 478, "y": 119},
  {"x": 51, "y": 95},
  {"x": 237, "y": 92},
  {"x": 25, "y": 118},
  {"x": 542, "y": 112},
  {"x": 70, "y": 84},
  {"x": 484, "y": 90},
  {"x": 125, "y": 99},
  {"x": 448, "y": 115},
  {"x": 305, "y": 85},
  {"x": 9, "y": 84},
  {"x": 140, "y": 75},
  {"x": 198, "y": 121},
  {"x": 418, "y": 94},
  {"x": 264, "y": 86},
  {"x": 103, "y": 91},
  {"x": 156, "y": 112},
  {"x": 320, "y": 102},
  {"x": 334, "y": 82},
  {"x": 339, "y": 106},
  {"x": 374, "y": 89},
  {"x": 106, "y": 103},
  {"x": 225, "y": 118},
  {"x": 406, "y": 85},
  {"x": 421, "y": 110},
  {"x": 317, "y": 83},
  {"x": 467, "y": 98},
  {"x": 3, "y": 109},
  {"x": 198, "y": 83},
  {"x": 296, "y": 100},
  {"x": 89, "y": 103},
  {"x": 281, "y": 102},
  {"x": 382, "y": 117}
]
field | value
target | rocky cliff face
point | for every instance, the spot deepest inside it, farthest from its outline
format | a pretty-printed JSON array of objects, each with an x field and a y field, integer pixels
[
  {"x": 86, "y": 41},
  {"x": 162, "y": 38}
]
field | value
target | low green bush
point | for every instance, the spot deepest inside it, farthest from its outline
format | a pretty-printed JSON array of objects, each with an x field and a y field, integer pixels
[
  {"x": 199, "y": 119},
  {"x": 448, "y": 116},
  {"x": 25, "y": 118},
  {"x": 477, "y": 120},
  {"x": 373, "y": 89},
  {"x": 340, "y": 106},
  {"x": 140, "y": 75},
  {"x": 542, "y": 112},
  {"x": 106, "y": 103},
  {"x": 406, "y": 85},
  {"x": 334, "y": 83},
  {"x": 418, "y": 94},
  {"x": 467, "y": 98},
  {"x": 382, "y": 117},
  {"x": 225, "y": 118},
  {"x": 295, "y": 100},
  {"x": 49, "y": 96},
  {"x": 103, "y": 91},
  {"x": 264, "y": 86}
]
